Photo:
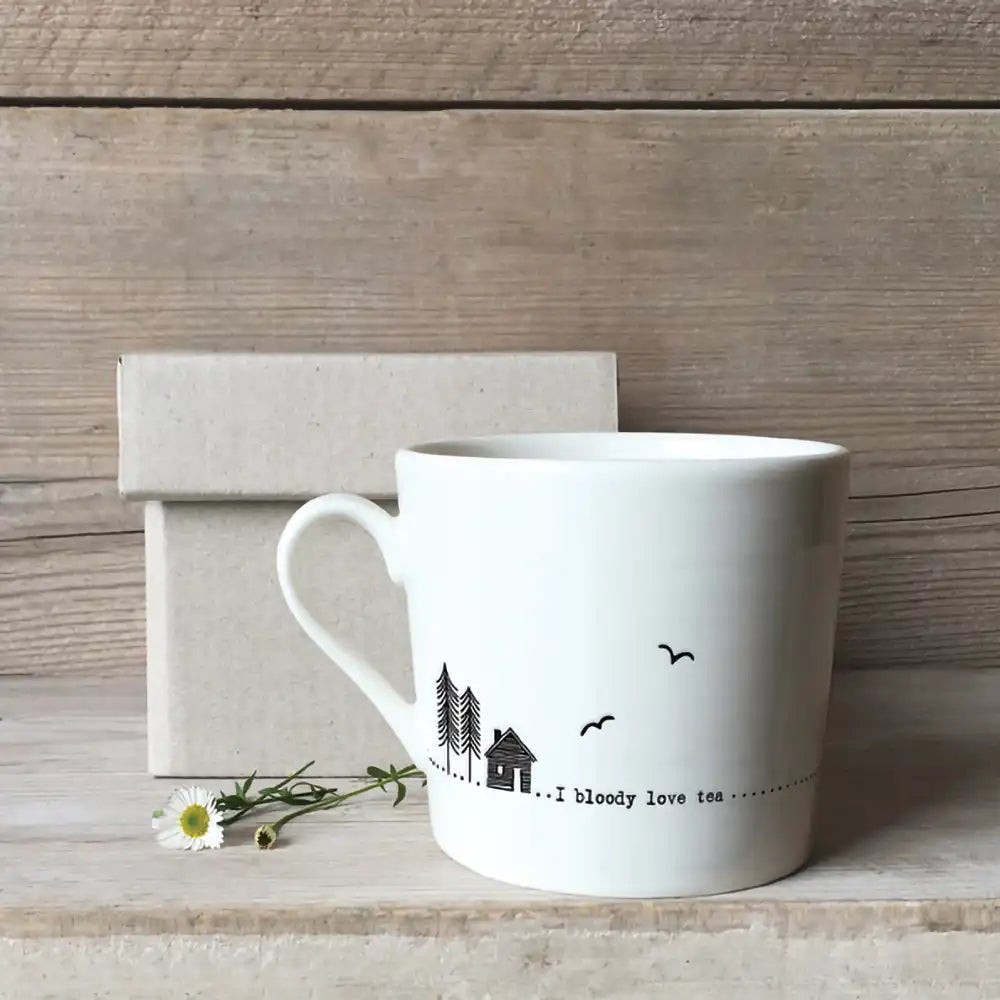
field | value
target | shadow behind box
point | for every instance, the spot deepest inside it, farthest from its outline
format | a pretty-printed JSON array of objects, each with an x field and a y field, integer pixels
[{"x": 224, "y": 447}]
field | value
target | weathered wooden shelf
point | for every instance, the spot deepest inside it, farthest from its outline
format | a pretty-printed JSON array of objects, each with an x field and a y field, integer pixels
[{"x": 901, "y": 893}]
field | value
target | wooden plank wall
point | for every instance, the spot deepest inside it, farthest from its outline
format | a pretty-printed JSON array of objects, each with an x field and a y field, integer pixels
[
  {"x": 605, "y": 51},
  {"x": 827, "y": 270}
]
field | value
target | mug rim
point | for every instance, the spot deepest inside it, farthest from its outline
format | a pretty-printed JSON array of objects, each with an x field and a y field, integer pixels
[{"x": 628, "y": 447}]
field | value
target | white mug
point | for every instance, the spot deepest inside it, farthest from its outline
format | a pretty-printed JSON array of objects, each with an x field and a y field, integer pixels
[{"x": 622, "y": 648}]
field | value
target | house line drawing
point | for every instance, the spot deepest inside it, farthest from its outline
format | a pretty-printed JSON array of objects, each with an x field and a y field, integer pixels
[{"x": 508, "y": 762}]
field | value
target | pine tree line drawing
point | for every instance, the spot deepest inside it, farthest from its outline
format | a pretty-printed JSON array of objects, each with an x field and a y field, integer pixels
[
  {"x": 458, "y": 721},
  {"x": 470, "y": 737},
  {"x": 447, "y": 709}
]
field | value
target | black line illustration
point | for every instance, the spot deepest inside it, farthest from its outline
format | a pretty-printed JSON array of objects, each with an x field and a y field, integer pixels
[
  {"x": 674, "y": 657},
  {"x": 469, "y": 735},
  {"x": 597, "y": 725},
  {"x": 508, "y": 755},
  {"x": 447, "y": 712}
]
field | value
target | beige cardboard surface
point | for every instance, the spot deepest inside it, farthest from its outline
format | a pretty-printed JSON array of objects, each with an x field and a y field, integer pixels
[
  {"x": 272, "y": 426},
  {"x": 233, "y": 683}
]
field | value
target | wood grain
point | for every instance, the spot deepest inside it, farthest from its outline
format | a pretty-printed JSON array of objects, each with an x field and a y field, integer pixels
[
  {"x": 72, "y": 606},
  {"x": 753, "y": 963},
  {"x": 826, "y": 274},
  {"x": 833, "y": 275},
  {"x": 61, "y": 508},
  {"x": 917, "y": 592},
  {"x": 899, "y": 897},
  {"x": 501, "y": 50},
  {"x": 909, "y": 792}
]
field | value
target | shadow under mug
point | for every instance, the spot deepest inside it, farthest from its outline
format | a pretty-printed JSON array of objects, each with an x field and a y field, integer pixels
[{"x": 622, "y": 648}]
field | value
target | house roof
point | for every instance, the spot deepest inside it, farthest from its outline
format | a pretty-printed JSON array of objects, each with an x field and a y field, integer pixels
[{"x": 513, "y": 736}]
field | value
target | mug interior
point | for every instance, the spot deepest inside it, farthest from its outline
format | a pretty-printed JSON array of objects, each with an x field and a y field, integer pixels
[{"x": 630, "y": 447}]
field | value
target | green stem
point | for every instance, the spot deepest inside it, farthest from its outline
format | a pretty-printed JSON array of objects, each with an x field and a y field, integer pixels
[
  {"x": 261, "y": 800},
  {"x": 410, "y": 771}
]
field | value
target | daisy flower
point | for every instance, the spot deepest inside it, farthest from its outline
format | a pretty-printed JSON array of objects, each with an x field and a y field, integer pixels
[{"x": 189, "y": 821}]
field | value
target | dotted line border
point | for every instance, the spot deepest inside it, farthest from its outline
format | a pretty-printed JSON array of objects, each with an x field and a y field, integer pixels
[
  {"x": 461, "y": 777},
  {"x": 777, "y": 788},
  {"x": 753, "y": 794}
]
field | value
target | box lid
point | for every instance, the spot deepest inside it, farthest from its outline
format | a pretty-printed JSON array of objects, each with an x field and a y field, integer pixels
[{"x": 273, "y": 426}]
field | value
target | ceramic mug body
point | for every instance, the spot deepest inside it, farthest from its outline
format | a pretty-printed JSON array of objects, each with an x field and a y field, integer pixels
[{"x": 622, "y": 647}]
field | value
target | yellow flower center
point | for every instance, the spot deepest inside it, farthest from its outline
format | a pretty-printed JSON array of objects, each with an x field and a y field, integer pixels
[{"x": 194, "y": 821}]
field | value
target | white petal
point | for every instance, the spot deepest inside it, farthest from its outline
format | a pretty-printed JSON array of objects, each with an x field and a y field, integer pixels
[
  {"x": 202, "y": 796},
  {"x": 173, "y": 838},
  {"x": 171, "y": 816},
  {"x": 213, "y": 838},
  {"x": 169, "y": 824},
  {"x": 178, "y": 800}
]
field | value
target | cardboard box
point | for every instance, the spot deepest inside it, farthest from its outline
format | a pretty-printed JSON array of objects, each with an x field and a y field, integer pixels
[
  {"x": 273, "y": 426},
  {"x": 233, "y": 683},
  {"x": 224, "y": 447}
]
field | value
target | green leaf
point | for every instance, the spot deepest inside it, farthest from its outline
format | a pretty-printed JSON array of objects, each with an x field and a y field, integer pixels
[
  {"x": 400, "y": 793},
  {"x": 249, "y": 782},
  {"x": 377, "y": 772}
]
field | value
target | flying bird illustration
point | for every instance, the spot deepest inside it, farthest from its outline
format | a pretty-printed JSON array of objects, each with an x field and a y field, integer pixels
[
  {"x": 597, "y": 725},
  {"x": 674, "y": 657}
]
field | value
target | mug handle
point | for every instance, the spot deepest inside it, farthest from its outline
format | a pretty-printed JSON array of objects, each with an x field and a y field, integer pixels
[{"x": 384, "y": 528}]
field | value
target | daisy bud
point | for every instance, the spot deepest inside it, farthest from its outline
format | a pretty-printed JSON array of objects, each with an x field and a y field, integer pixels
[{"x": 265, "y": 837}]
